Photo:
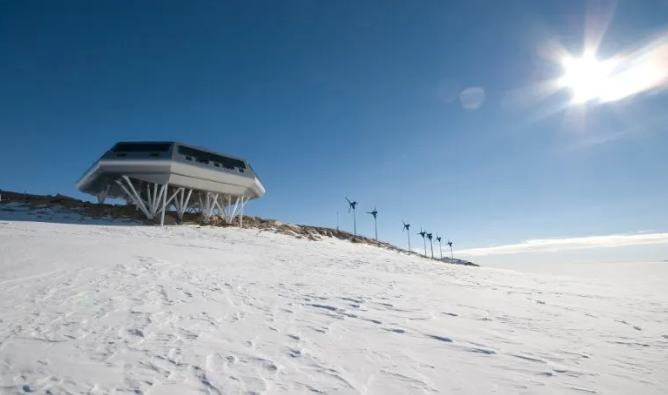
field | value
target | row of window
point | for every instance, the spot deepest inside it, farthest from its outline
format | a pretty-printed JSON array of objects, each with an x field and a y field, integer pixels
[
  {"x": 191, "y": 154},
  {"x": 203, "y": 157},
  {"x": 215, "y": 164}
]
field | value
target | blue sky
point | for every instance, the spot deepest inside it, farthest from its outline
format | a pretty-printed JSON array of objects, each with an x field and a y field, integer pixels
[{"x": 329, "y": 99}]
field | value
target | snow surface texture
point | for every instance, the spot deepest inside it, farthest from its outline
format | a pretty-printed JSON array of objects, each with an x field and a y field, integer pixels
[{"x": 187, "y": 310}]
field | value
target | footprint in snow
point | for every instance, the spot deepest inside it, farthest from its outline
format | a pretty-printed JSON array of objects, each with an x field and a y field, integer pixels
[
  {"x": 481, "y": 351},
  {"x": 136, "y": 332},
  {"x": 324, "y": 306},
  {"x": 294, "y": 353},
  {"x": 527, "y": 358},
  {"x": 440, "y": 338}
]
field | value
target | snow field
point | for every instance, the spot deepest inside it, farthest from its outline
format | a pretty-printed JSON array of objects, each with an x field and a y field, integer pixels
[{"x": 187, "y": 310}]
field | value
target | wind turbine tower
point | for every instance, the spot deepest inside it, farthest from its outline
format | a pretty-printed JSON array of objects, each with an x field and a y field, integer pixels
[
  {"x": 407, "y": 228},
  {"x": 451, "y": 256},
  {"x": 429, "y": 236},
  {"x": 440, "y": 247},
  {"x": 375, "y": 221},
  {"x": 351, "y": 206},
  {"x": 423, "y": 233}
]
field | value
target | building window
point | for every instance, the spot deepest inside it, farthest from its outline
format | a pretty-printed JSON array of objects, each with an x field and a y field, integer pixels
[
  {"x": 142, "y": 147},
  {"x": 189, "y": 158},
  {"x": 121, "y": 155}
]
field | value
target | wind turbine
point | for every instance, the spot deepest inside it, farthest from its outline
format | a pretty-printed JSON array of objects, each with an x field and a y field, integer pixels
[
  {"x": 451, "y": 256},
  {"x": 407, "y": 228},
  {"x": 429, "y": 236},
  {"x": 423, "y": 233},
  {"x": 375, "y": 222},
  {"x": 440, "y": 247},
  {"x": 351, "y": 205}
]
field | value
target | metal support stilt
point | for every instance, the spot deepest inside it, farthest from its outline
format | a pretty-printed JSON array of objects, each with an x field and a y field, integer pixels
[
  {"x": 181, "y": 203},
  {"x": 159, "y": 198},
  {"x": 154, "y": 199},
  {"x": 164, "y": 205},
  {"x": 241, "y": 215},
  {"x": 102, "y": 196},
  {"x": 149, "y": 197},
  {"x": 134, "y": 196},
  {"x": 211, "y": 201},
  {"x": 184, "y": 205}
]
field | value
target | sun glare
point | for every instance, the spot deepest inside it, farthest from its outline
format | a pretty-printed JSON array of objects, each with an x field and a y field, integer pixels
[
  {"x": 614, "y": 79},
  {"x": 587, "y": 77}
]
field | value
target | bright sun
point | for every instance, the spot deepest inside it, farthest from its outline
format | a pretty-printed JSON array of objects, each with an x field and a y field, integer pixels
[{"x": 587, "y": 77}]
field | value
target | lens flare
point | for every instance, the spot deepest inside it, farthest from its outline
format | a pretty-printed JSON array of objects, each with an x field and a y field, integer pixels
[{"x": 591, "y": 79}]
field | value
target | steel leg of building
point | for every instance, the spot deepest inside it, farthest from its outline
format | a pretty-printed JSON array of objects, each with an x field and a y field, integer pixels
[
  {"x": 181, "y": 203},
  {"x": 133, "y": 195},
  {"x": 156, "y": 199},
  {"x": 241, "y": 215},
  {"x": 102, "y": 196}
]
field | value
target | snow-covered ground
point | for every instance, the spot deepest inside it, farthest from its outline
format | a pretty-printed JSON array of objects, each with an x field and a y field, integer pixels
[
  {"x": 99, "y": 309},
  {"x": 20, "y": 211}
]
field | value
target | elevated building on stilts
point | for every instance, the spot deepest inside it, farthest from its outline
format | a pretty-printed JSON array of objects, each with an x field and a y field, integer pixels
[{"x": 157, "y": 177}]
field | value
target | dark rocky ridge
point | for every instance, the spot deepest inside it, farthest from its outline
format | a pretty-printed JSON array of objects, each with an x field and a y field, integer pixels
[{"x": 99, "y": 211}]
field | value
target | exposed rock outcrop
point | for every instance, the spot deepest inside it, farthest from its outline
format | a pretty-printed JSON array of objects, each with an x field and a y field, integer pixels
[{"x": 95, "y": 210}]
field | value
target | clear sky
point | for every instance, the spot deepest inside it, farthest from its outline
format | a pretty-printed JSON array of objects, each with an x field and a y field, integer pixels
[{"x": 367, "y": 99}]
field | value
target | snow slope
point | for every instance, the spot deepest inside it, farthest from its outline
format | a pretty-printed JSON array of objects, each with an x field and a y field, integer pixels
[{"x": 186, "y": 310}]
